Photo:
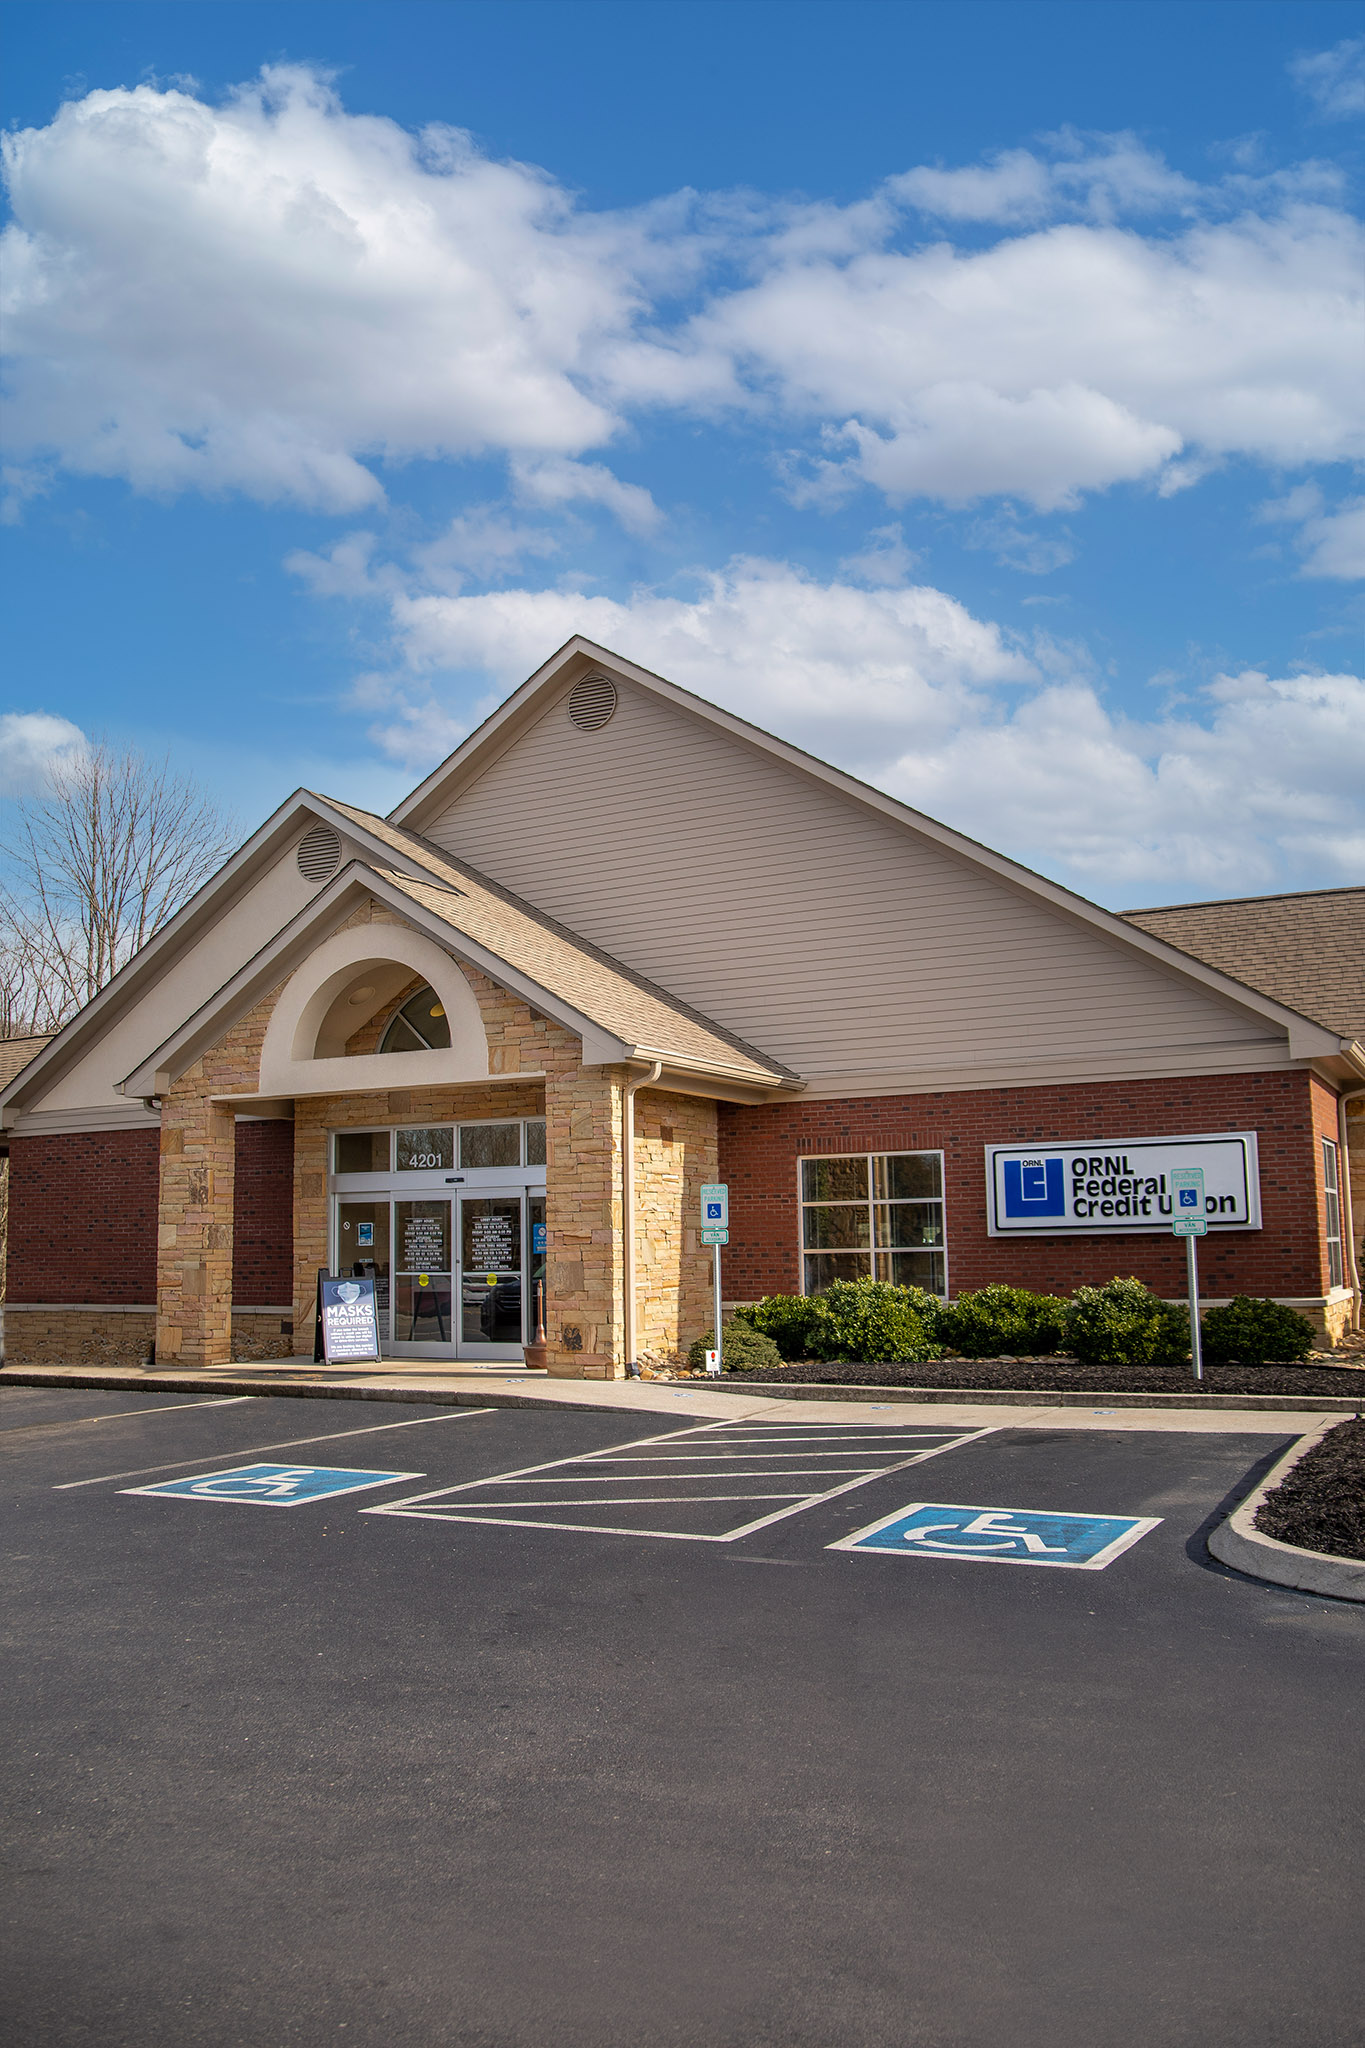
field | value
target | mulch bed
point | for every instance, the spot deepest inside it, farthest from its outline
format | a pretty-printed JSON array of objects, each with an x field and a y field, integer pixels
[
  {"x": 1064, "y": 1376},
  {"x": 1321, "y": 1505}
]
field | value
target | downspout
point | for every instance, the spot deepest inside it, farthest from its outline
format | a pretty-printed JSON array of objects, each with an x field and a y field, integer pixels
[
  {"x": 1347, "y": 1213},
  {"x": 628, "y": 1205}
]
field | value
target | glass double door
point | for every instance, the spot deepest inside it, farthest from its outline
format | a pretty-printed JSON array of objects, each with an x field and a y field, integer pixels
[{"x": 448, "y": 1270}]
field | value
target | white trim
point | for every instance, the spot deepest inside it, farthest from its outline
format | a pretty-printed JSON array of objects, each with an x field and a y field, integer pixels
[
  {"x": 79, "y": 1308},
  {"x": 58, "y": 1123}
]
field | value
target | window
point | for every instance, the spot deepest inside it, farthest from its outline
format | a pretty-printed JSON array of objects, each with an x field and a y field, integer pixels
[
  {"x": 420, "y": 1026},
  {"x": 1336, "y": 1264},
  {"x": 490, "y": 1144},
  {"x": 360, "y": 1152},
  {"x": 875, "y": 1215},
  {"x": 427, "y": 1148}
]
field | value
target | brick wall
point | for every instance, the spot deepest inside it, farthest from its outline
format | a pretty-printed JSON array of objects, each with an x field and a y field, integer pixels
[
  {"x": 759, "y": 1147},
  {"x": 83, "y": 1211},
  {"x": 263, "y": 1216}
]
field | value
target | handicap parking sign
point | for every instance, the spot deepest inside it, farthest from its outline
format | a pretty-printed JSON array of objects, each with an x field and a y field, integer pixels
[
  {"x": 1084, "y": 1543},
  {"x": 274, "y": 1486}
]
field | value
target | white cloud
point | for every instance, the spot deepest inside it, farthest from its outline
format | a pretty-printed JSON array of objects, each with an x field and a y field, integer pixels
[
  {"x": 256, "y": 296},
  {"x": 1332, "y": 543},
  {"x": 555, "y": 480},
  {"x": 31, "y": 742},
  {"x": 1334, "y": 78},
  {"x": 277, "y": 296},
  {"x": 1255, "y": 781},
  {"x": 1066, "y": 359}
]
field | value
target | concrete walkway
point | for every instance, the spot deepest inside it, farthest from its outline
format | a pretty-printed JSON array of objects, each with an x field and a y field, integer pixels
[{"x": 519, "y": 1389}]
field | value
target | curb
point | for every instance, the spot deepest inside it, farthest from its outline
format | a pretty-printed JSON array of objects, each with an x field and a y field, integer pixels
[
  {"x": 1023, "y": 1397},
  {"x": 297, "y": 1390},
  {"x": 1239, "y": 1543}
]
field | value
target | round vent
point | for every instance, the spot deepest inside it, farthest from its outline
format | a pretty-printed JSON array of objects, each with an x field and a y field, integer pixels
[
  {"x": 592, "y": 702},
  {"x": 319, "y": 854}
]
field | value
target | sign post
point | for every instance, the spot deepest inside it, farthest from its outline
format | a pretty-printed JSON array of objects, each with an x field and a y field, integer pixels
[
  {"x": 715, "y": 1231},
  {"x": 1188, "y": 1221}
]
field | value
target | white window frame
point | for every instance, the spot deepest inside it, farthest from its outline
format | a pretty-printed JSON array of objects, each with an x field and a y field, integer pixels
[
  {"x": 920, "y": 1152},
  {"x": 1331, "y": 1188},
  {"x": 352, "y": 1181}
]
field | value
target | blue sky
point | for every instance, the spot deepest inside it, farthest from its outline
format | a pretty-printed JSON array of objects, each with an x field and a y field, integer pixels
[{"x": 970, "y": 393}]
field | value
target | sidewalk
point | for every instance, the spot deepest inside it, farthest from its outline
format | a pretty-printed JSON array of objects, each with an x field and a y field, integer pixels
[{"x": 519, "y": 1389}]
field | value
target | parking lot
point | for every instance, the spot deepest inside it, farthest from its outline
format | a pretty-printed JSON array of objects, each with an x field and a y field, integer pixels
[{"x": 396, "y": 1725}]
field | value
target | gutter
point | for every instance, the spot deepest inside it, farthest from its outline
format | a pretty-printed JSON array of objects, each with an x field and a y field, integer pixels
[
  {"x": 1344, "y": 1197},
  {"x": 628, "y": 1206}
]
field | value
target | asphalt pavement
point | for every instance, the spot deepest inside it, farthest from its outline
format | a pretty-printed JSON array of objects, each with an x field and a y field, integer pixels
[{"x": 570, "y": 1730}]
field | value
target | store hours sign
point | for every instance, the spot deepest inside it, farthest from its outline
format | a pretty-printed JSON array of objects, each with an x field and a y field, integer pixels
[{"x": 1119, "y": 1184}]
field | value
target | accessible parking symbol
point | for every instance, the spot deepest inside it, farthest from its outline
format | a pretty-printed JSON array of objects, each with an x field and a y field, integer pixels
[
  {"x": 1084, "y": 1543},
  {"x": 273, "y": 1486}
]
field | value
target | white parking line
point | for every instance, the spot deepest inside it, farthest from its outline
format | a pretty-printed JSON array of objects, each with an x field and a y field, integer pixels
[
  {"x": 122, "y": 1414},
  {"x": 487, "y": 1500},
  {"x": 293, "y": 1443}
]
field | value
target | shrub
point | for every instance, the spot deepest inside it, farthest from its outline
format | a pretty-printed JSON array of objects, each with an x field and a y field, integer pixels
[
  {"x": 787, "y": 1318},
  {"x": 997, "y": 1319},
  {"x": 869, "y": 1322},
  {"x": 1248, "y": 1331},
  {"x": 744, "y": 1350},
  {"x": 1124, "y": 1323}
]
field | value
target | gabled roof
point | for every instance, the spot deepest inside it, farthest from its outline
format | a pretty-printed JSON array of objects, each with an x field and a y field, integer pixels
[
  {"x": 1306, "y": 949},
  {"x": 620, "y": 1016},
  {"x": 16, "y": 1053},
  {"x": 1309, "y": 1037}
]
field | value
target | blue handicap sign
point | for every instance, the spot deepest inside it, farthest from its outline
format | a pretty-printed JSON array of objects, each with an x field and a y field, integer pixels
[
  {"x": 713, "y": 1209},
  {"x": 1188, "y": 1198},
  {"x": 274, "y": 1486},
  {"x": 1002, "y": 1535}
]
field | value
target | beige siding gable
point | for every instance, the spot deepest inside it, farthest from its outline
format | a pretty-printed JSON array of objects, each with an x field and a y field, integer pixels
[{"x": 857, "y": 951}]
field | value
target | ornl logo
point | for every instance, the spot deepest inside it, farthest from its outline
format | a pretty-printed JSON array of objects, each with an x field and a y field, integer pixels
[{"x": 1034, "y": 1187}]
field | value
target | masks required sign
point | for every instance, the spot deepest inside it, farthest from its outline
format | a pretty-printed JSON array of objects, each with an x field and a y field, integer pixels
[{"x": 1120, "y": 1184}]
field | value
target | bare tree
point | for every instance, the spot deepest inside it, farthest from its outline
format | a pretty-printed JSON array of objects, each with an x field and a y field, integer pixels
[{"x": 98, "y": 860}]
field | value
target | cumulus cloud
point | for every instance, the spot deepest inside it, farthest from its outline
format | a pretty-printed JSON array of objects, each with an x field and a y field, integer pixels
[
  {"x": 1251, "y": 782},
  {"x": 258, "y": 295},
  {"x": 277, "y": 296},
  {"x": 1065, "y": 359},
  {"x": 31, "y": 742},
  {"x": 1334, "y": 79}
]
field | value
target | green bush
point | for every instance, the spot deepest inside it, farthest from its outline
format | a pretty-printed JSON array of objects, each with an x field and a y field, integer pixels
[
  {"x": 1249, "y": 1331},
  {"x": 1003, "y": 1319},
  {"x": 787, "y": 1318},
  {"x": 744, "y": 1349},
  {"x": 869, "y": 1322},
  {"x": 1124, "y": 1323}
]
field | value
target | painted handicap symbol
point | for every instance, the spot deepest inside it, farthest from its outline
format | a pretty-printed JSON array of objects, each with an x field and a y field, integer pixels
[
  {"x": 1001, "y": 1535},
  {"x": 275, "y": 1486}
]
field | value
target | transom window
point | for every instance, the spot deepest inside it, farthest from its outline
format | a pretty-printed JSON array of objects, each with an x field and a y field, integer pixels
[
  {"x": 1331, "y": 1183},
  {"x": 873, "y": 1215},
  {"x": 430, "y": 1148},
  {"x": 420, "y": 1026}
]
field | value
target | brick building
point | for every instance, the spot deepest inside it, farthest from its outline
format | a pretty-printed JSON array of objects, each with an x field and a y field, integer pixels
[{"x": 487, "y": 1050}]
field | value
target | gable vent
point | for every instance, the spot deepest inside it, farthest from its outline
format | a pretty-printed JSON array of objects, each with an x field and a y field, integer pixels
[
  {"x": 319, "y": 854},
  {"x": 592, "y": 702}
]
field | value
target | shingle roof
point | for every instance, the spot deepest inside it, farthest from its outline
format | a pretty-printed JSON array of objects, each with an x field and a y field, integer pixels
[
  {"x": 1306, "y": 951},
  {"x": 17, "y": 1052},
  {"x": 591, "y": 981}
]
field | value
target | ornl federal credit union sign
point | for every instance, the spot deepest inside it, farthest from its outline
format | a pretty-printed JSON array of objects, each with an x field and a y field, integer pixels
[{"x": 1119, "y": 1184}]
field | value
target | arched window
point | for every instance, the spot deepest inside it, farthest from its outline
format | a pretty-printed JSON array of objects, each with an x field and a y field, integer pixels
[{"x": 420, "y": 1026}]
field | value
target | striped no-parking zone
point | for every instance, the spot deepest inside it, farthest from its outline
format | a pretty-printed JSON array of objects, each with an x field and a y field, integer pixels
[{"x": 711, "y": 1484}]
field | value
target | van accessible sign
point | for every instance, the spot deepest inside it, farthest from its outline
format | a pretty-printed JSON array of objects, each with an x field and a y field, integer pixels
[{"x": 1120, "y": 1184}]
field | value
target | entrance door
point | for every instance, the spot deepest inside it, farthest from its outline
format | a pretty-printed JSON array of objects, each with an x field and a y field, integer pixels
[
  {"x": 363, "y": 1252},
  {"x": 491, "y": 1234},
  {"x": 422, "y": 1277}
]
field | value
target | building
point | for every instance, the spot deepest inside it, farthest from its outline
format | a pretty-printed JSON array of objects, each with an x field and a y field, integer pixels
[{"x": 622, "y": 944}]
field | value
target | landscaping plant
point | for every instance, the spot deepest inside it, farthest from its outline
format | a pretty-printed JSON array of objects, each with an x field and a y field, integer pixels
[
  {"x": 1124, "y": 1323},
  {"x": 998, "y": 1320},
  {"x": 745, "y": 1349},
  {"x": 868, "y": 1321},
  {"x": 787, "y": 1318},
  {"x": 1249, "y": 1331}
]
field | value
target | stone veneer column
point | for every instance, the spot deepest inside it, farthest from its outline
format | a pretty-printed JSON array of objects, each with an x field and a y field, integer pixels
[
  {"x": 194, "y": 1234},
  {"x": 584, "y": 1319}
]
